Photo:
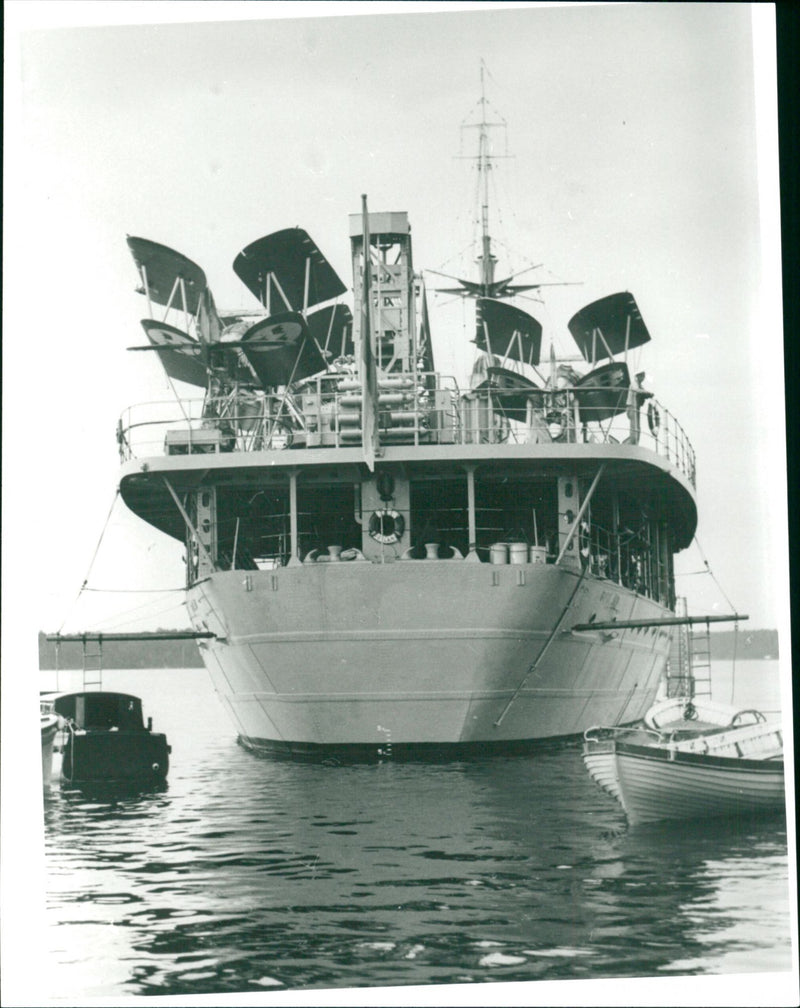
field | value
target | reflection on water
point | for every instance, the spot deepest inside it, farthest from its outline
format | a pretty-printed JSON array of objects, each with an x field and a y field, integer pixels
[{"x": 248, "y": 875}]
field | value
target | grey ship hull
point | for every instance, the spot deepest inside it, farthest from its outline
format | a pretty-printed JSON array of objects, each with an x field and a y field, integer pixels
[{"x": 423, "y": 655}]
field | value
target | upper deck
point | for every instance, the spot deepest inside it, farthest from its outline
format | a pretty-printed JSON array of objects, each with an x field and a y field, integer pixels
[
  {"x": 427, "y": 429},
  {"x": 425, "y": 415},
  {"x": 319, "y": 426}
]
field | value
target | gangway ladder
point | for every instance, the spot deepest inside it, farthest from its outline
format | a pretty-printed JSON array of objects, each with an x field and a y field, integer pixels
[
  {"x": 700, "y": 658},
  {"x": 679, "y": 670},
  {"x": 93, "y": 662}
]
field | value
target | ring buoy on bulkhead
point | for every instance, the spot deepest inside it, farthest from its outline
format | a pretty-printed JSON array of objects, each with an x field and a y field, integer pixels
[
  {"x": 584, "y": 540},
  {"x": 387, "y": 526},
  {"x": 653, "y": 418}
]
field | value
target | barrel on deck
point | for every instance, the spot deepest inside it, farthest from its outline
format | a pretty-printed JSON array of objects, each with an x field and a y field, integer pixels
[
  {"x": 498, "y": 553},
  {"x": 518, "y": 553}
]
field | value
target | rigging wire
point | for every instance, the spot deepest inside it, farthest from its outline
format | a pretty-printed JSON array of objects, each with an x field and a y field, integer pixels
[
  {"x": 711, "y": 573},
  {"x": 457, "y": 257},
  {"x": 130, "y": 612},
  {"x": 732, "y": 609},
  {"x": 91, "y": 562},
  {"x": 476, "y": 220},
  {"x": 132, "y": 616}
]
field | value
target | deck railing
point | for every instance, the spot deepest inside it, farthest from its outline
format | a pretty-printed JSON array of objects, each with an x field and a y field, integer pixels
[
  {"x": 630, "y": 559},
  {"x": 412, "y": 410}
]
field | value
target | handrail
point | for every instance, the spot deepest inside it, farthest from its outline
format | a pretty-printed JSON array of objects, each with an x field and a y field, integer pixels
[
  {"x": 426, "y": 409},
  {"x": 612, "y": 730}
]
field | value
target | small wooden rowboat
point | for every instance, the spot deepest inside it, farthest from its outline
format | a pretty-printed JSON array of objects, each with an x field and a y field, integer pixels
[
  {"x": 684, "y": 774},
  {"x": 49, "y": 723}
]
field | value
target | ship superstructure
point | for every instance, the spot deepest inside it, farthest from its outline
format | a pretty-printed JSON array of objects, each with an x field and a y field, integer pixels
[{"x": 381, "y": 555}]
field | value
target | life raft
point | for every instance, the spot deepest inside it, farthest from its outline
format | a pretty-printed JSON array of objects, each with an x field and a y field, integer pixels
[{"x": 387, "y": 526}]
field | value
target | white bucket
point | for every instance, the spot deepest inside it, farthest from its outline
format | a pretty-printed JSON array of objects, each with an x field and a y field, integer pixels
[
  {"x": 518, "y": 552},
  {"x": 498, "y": 553},
  {"x": 538, "y": 554},
  {"x": 267, "y": 563}
]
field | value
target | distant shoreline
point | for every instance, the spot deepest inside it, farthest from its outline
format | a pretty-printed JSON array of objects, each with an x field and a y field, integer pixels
[
  {"x": 120, "y": 654},
  {"x": 726, "y": 644}
]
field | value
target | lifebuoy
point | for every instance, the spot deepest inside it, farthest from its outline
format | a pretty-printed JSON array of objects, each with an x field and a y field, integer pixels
[
  {"x": 387, "y": 526},
  {"x": 653, "y": 418},
  {"x": 584, "y": 541}
]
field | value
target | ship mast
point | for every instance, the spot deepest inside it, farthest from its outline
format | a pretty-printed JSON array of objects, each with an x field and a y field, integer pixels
[
  {"x": 486, "y": 260},
  {"x": 486, "y": 286}
]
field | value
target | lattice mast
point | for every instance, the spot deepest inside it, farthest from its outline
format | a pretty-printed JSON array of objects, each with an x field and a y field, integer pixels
[{"x": 391, "y": 286}]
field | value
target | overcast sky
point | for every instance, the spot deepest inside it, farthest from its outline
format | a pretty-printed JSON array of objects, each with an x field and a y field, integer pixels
[{"x": 633, "y": 135}]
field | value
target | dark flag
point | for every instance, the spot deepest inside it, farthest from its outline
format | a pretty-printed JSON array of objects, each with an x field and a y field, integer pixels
[{"x": 369, "y": 378}]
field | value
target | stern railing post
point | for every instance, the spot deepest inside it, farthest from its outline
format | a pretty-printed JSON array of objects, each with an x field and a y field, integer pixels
[
  {"x": 294, "y": 559},
  {"x": 472, "y": 553}
]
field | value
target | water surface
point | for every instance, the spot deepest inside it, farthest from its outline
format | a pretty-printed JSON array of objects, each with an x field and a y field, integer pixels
[{"x": 250, "y": 874}]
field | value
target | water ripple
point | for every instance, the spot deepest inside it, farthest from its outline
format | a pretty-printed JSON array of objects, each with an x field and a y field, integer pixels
[{"x": 250, "y": 875}]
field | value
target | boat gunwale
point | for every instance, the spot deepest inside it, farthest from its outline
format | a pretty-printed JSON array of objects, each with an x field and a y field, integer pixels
[{"x": 665, "y": 754}]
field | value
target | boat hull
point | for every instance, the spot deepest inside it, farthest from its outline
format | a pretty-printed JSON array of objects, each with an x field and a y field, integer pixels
[
  {"x": 115, "y": 757},
  {"x": 422, "y": 656},
  {"x": 49, "y": 725},
  {"x": 657, "y": 784},
  {"x": 600, "y": 760}
]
